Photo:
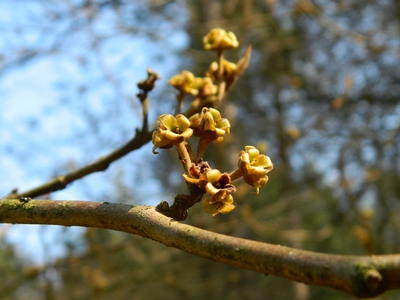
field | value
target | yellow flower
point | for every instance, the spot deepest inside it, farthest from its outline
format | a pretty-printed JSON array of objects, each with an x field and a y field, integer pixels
[
  {"x": 197, "y": 86},
  {"x": 214, "y": 208},
  {"x": 219, "y": 188},
  {"x": 254, "y": 167},
  {"x": 170, "y": 131},
  {"x": 230, "y": 70},
  {"x": 219, "y": 39},
  {"x": 205, "y": 87},
  {"x": 184, "y": 82},
  {"x": 209, "y": 121}
]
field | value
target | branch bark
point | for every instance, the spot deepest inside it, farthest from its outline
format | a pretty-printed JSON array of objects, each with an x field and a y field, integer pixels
[{"x": 361, "y": 276}]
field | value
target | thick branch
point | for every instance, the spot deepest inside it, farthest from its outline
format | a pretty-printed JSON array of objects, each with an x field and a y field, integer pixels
[{"x": 362, "y": 276}]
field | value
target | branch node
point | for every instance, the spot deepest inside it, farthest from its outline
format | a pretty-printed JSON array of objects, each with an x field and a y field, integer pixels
[{"x": 373, "y": 278}]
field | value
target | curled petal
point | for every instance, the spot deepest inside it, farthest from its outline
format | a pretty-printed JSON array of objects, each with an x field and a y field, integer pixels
[
  {"x": 192, "y": 180},
  {"x": 160, "y": 142},
  {"x": 256, "y": 181},
  {"x": 252, "y": 152},
  {"x": 216, "y": 115},
  {"x": 265, "y": 162},
  {"x": 215, "y": 208},
  {"x": 172, "y": 136},
  {"x": 224, "y": 125},
  {"x": 182, "y": 121},
  {"x": 210, "y": 189},
  {"x": 244, "y": 157}
]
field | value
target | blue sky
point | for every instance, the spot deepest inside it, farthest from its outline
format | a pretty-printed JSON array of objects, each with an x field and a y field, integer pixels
[{"x": 43, "y": 102}]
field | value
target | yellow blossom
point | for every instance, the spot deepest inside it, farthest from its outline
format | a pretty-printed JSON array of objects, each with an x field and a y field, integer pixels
[
  {"x": 254, "y": 167},
  {"x": 230, "y": 70},
  {"x": 204, "y": 87},
  {"x": 214, "y": 208},
  {"x": 209, "y": 121},
  {"x": 219, "y": 39},
  {"x": 170, "y": 130},
  {"x": 218, "y": 187},
  {"x": 184, "y": 82}
]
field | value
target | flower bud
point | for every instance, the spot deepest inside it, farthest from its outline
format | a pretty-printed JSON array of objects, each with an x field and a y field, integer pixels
[
  {"x": 219, "y": 39},
  {"x": 184, "y": 82}
]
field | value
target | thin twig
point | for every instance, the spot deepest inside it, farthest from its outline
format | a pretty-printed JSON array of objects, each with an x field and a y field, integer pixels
[
  {"x": 179, "y": 99},
  {"x": 141, "y": 138},
  {"x": 60, "y": 182},
  {"x": 185, "y": 157}
]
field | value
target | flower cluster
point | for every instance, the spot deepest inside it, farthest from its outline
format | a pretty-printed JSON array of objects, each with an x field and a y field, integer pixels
[
  {"x": 184, "y": 82},
  {"x": 218, "y": 188},
  {"x": 210, "y": 185},
  {"x": 218, "y": 79},
  {"x": 210, "y": 126},
  {"x": 187, "y": 83}
]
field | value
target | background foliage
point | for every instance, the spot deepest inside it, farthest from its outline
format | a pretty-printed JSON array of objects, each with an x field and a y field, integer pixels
[{"x": 320, "y": 96}]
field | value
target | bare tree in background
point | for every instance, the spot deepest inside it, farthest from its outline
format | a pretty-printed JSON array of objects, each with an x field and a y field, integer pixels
[{"x": 320, "y": 93}]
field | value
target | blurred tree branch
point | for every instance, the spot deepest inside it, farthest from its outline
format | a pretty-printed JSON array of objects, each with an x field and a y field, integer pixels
[
  {"x": 309, "y": 8},
  {"x": 366, "y": 128},
  {"x": 361, "y": 276}
]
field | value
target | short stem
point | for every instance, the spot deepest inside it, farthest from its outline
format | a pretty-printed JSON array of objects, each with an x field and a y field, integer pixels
[
  {"x": 145, "y": 106},
  {"x": 185, "y": 157},
  {"x": 221, "y": 81},
  {"x": 179, "y": 98},
  {"x": 220, "y": 57},
  {"x": 236, "y": 174},
  {"x": 221, "y": 91},
  {"x": 189, "y": 150},
  {"x": 202, "y": 146}
]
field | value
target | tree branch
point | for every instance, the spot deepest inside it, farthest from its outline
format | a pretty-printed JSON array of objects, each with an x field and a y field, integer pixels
[
  {"x": 142, "y": 137},
  {"x": 362, "y": 276},
  {"x": 101, "y": 164}
]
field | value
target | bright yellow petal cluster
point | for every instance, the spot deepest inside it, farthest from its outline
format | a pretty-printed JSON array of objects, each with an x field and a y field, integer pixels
[
  {"x": 170, "y": 130},
  {"x": 219, "y": 39},
  {"x": 230, "y": 70},
  {"x": 187, "y": 83},
  {"x": 184, "y": 82},
  {"x": 254, "y": 167},
  {"x": 205, "y": 87},
  {"x": 218, "y": 188},
  {"x": 209, "y": 120}
]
